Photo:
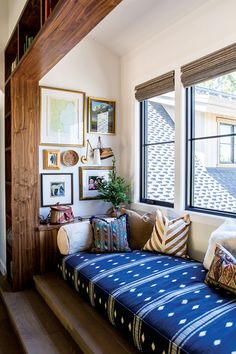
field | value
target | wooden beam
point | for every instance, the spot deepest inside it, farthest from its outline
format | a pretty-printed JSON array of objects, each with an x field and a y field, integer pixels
[
  {"x": 70, "y": 22},
  {"x": 25, "y": 176}
]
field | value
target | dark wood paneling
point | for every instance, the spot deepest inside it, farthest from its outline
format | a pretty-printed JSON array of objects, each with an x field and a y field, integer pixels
[
  {"x": 70, "y": 22},
  {"x": 25, "y": 170}
]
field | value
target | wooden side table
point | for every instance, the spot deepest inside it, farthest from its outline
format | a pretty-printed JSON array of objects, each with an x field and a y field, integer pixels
[{"x": 48, "y": 251}]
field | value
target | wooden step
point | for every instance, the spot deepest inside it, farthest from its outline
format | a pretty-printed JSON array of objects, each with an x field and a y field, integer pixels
[
  {"x": 92, "y": 332},
  {"x": 36, "y": 326}
]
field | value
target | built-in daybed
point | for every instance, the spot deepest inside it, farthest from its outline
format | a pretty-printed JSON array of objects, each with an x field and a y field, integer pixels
[{"x": 160, "y": 302}]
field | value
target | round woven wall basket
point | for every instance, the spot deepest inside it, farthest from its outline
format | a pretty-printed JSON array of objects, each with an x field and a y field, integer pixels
[{"x": 70, "y": 158}]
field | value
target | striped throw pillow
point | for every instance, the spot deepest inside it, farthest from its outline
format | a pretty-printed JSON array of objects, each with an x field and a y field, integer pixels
[
  {"x": 169, "y": 236},
  {"x": 110, "y": 236}
]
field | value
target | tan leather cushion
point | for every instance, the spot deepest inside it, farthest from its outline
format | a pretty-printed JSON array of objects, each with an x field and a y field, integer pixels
[{"x": 139, "y": 230}]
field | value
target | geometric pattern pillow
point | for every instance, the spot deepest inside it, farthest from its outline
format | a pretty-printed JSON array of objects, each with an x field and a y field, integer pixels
[
  {"x": 169, "y": 236},
  {"x": 110, "y": 236},
  {"x": 222, "y": 271}
]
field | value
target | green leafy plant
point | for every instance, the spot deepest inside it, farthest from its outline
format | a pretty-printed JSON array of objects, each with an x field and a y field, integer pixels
[{"x": 115, "y": 189}]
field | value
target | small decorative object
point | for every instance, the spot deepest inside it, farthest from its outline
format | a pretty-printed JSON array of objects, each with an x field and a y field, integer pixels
[
  {"x": 51, "y": 159},
  {"x": 70, "y": 158},
  {"x": 101, "y": 115},
  {"x": 105, "y": 153},
  {"x": 89, "y": 180},
  {"x": 114, "y": 189},
  {"x": 61, "y": 214},
  {"x": 56, "y": 188},
  {"x": 62, "y": 117}
]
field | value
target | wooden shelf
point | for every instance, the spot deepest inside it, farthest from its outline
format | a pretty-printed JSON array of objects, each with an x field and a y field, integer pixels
[{"x": 11, "y": 54}]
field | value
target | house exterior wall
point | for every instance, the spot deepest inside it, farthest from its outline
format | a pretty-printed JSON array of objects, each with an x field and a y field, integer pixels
[{"x": 195, "y": 35}]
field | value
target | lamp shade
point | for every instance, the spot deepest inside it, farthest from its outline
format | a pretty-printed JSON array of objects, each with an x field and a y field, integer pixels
[{"x": 96, "y": 156}]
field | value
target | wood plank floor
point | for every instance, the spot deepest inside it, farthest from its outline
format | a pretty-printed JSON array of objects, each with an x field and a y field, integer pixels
[
  {"x": 37, "y": 328},
  {"x": 9, "y": 343},
  {"x": 93, "y": 333}
]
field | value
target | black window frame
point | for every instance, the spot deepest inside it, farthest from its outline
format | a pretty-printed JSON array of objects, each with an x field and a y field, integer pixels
[
  {"x": 143, "y": 144},
  {"x": 232, "y": 144},
  {"x": 189, "y": 166}
]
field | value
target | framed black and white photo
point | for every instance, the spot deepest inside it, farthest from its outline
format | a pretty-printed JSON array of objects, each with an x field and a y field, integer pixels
[
  {"x": 56, "y": 188},
  {"x": 89, "y": 178}
]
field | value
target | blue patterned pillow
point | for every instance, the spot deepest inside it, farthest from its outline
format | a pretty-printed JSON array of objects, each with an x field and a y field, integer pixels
[{"x": 110, "y": 236}]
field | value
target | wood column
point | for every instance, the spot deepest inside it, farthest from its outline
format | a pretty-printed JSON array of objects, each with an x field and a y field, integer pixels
[{"x": 25, "y": 176}]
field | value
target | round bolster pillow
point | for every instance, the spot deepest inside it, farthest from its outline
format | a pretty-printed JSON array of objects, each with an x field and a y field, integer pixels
[{"x": 75, "y": 237}]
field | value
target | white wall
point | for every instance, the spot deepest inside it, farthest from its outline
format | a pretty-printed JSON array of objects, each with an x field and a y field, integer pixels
[
  {"x": 91, "y": 68},
  {"x": 14, "y": 10},
  {"x": 3, "y": 37},
  {"x": 2, "y": 189},
  {"x": 197, "y": 34}
]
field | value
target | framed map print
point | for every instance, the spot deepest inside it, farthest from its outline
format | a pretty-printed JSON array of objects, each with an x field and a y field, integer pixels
[{"x": 62, "y": 117}]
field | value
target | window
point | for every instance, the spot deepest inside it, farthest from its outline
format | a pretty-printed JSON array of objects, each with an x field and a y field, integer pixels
[
  {"x": 227, "y": 145},
  {"x": 158, "y": 149},
  {"x": 211, "y": 145}
]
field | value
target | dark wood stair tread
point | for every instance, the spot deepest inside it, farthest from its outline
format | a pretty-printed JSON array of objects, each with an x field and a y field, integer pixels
[
  {"x": 37, "y": 328},
  {"x": 92, "y": 332}
]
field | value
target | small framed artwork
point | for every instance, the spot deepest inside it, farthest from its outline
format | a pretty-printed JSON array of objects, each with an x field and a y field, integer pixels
[
  {"x": 62, "y": 117},
  {"x": 51, "y": 159},
  {"x": 101, "y": 116},
  {"x": 56, "y": 188},
  {"x": 89, "y": 177}
]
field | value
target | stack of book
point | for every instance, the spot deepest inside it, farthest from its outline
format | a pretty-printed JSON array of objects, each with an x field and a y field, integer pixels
[
  {"x": 47, "y": 8},
  {"x": 28, "y": 42},
  {"x": 14, "y": 64}
]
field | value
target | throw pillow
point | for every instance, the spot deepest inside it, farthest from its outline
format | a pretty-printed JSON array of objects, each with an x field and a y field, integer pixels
[
  {"x": 224, "y": 235},
  {"x": 110, "y": 236},
  {"x": 222, "y": 270},
  {"x": 139, "y": 230},
  {"x": 169, "y": 236},
  {"x": 76, "y": 237}
]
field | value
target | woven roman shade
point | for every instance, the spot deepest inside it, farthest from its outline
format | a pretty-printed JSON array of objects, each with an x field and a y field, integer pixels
[
  {"x": 215, "y": 64},
  {"x": 155, "y": 87}
]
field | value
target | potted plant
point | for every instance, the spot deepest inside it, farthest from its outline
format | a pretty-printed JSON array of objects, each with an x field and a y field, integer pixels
[{"x": 114, "y": 190}]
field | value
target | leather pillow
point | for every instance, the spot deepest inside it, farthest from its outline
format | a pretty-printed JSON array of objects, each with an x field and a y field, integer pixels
[{"x": 139, "y": 230}]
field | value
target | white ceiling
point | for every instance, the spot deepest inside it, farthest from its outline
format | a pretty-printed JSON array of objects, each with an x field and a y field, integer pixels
[{"x": 134, "y": 21}]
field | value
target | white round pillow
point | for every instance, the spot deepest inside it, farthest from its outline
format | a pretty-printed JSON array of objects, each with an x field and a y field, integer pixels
[{"x": 72, "y": 238}]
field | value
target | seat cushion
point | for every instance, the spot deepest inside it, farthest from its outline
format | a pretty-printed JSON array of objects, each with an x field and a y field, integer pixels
[{"x": 158, "y": 301}]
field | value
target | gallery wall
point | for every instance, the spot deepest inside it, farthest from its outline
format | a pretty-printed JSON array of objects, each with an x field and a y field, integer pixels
[
  {"x": 195, "y": 35},
  {"x": 95, "y": 70}
]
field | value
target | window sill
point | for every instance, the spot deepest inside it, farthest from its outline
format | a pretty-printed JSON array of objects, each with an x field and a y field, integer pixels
[{"x": 196, "y": 217}]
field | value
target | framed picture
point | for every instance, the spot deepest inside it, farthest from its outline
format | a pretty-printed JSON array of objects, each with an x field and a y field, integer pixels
[
  {"x": 62, "y": 117},
  {"x": 56, "y": 188},
  {"x": 88, "y": 180},
  {"x": 101, "y": 116},
  {"x": 51, "y": 159}
]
